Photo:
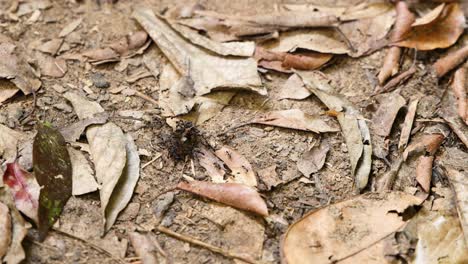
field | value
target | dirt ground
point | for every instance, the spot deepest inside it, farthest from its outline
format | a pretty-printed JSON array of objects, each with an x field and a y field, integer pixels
[{"x": 263, "y": 146}]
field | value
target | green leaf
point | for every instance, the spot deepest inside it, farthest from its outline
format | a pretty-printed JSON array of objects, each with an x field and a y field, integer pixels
[{"x": 53, "y": 170}]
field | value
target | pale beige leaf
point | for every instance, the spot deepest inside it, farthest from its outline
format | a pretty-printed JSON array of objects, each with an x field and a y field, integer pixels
[
  {"x": 294, "y": 88},
  {"x": 73, "y": 132},
  {"x": 144, "y": 247},
  {"x": 313, "y": 159},
  {"x": 82, "y": 173},
  {"x": 9, "y": 140},
  {"x": 83, "y": 107},
  {"x": 123, "y": 191},
  {"x": 269, "y": 177},
  {"x": 408, "y": 124},
  {"x": 5, "y": 229},
  {"x": 51, "y": 47},
  {"x": 214, "y": 167},
  {"x": 50, "y": 66},
  {"x": 207, "y": 71},
  {"x": 240, "y": 167},
  {"x": 294, "y": 119},
  {"x": 69, "y": 28},
  {"x": 459, "y": 182},
  {"x": 350, "y": 231}
]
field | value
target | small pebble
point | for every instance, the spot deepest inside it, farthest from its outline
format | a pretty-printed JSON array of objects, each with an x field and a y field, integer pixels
[{"x": 99, "y": 80}]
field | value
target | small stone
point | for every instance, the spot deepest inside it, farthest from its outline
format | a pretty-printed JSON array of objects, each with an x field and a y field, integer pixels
[
  {"x": 99, "y": 80},
  {"x": 163, "y": 203},
  {"x": 58, "y": 88},
  {"x": 64, "y": 107}
]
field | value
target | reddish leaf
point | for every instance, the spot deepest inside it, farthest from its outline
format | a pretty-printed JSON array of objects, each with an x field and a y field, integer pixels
[
  {"x": 53, "y": 170},
  {"x": 424, "y": 172},
  {"x": 236, "y": 195},
  {"x": 24, "y": 188},
  {"x": 427, "y": 144}
]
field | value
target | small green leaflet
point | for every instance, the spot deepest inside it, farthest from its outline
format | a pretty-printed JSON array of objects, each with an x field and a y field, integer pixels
[{"x": 53, "y": 170}]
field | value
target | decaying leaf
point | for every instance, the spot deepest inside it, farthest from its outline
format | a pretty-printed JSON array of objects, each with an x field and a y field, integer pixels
[
  {"x": 9, "y": 143},
  {"x": 123, "y": 191},
  {"x": 5, "y": 229},
  {"x": 269, "y": 177},
  {"x": 144, "y": 247},
  {"x": 294, "y": 88},
  {"x": 240, "y": 167},
  {"x": 285, "y": 62},
  {"x": 213, "y": 166},
  {"x": 53, "y": 171},
  {"x": 234, "y": 194},
  {"x": 354, "y": 129},
  {"x": 347, "y": 232},
  {"x": 24, "y": 188},
  {"x": 458, "y": 180},
  {"x": 15, "y": 253},
  {"x": 390, "y": 105},
  {"x": 403, "y": 22},
  {"x": 69, "y": 28},
  {"x": 450, "y": 61},
  {"x": 294, "y": 119},
  {"x": 426, "y": 144},
  {"x": 313, "y": 159},
  {"x": 424, "y": 172},
  {"x": 439, "y": 29},
  {"x": 73, "y": 132},
  {"x": 51, "y": 47},
  {"x": 82, "y": 173},
  {"x": 50, "y": 66},
  {"x": 208, "y": 71},
  {"x": 408, "y": 124}
]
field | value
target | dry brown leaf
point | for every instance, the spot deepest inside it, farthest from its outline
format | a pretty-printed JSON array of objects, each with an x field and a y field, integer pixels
[
  {"x": 408, "y": 124},
  {"x": 144, "y": 247},
  {"x": 450, "y": 61},
  {"x": 293, "y": 88},
  {"x": 7, "y": 90},
  {"x": 240, "y": 167},
  {"x": 354, "y": 128},
  {"x": 390, "y": 105},
  {"x": 193, "y": 62},
  {"x": 351, "y": 231},
  {"x": 458, "y": 180},
  {"x": 213, "y": 166},
  {"x": 51, "y": 47},
  {"x": 294, "y": 119},
  {"x": 234, "y": 194},
  {"x": 51, "y": 66},
  {"x": 391, "y": 64},
  {"x": 313, "y": 159},
  {"x": 441, "y": 32},
  {"x": 285, "y": 62},
  {"x": 426, "y": 144},
  {"x": 459, "y": 90},
  {"x": 424, "y": 172},
  {"x": 101, "y": 55},
  {"x": 5, "y": 229},
  {"x": 269, "y": 177},
  {"x": 82, "y": 173},
  {"x": 449, "y": 114},
  {"x": 69, "y": 28},
  {"x": 400, "y": 78}
]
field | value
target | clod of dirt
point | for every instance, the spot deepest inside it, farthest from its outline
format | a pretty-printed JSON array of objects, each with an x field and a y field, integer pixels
[
  {"x": 99, "y": 80},
  {"x": 181, "y": 142}
]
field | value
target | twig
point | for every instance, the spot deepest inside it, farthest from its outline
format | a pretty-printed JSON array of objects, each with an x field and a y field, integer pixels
[
  {"x": 90, "y": 244},
  {"x": 348, "y": 42},
  {"x": 205, "y": 245},
  {"x": 151, "y": 161},
  {"x": 146, "y": 97}
]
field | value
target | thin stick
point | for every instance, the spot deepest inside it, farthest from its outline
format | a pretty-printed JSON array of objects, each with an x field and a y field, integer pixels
[
  {"x": 145, "y": 97},
  {"x": 151, "y": 161},
  {"x": 90, "y": 244},
  {"x": 348, "y": 42},
  {"x": 205, "y": 245}
]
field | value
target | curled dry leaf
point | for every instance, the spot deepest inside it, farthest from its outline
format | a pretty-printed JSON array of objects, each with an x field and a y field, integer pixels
[
  {"x": 408, "y": 124},
  {"x": 390, "y": 105},
  {"x": 294, "y": 88},
  {"x": 439, "y": 29},
  {"x": 285, "y": 62},
  {"x": 201, "y": 66},
  {"x": 240, "y": 167},
  {"x": 424, "y": 172},
  {"x": 24, "y": 188},
  {"x": 391, "y": 64},
  {"x": 395, "y": 81},
  {"x": 5, "y": 229},
  {"x": 234, "y": 194},
  {"x": 450, "y": 61},
  {"x": 313, "y": 159},
  {"x": 355, "y": 132},
  {"x": 82, "y": 173},
  {"x": 459, "y": 90},
  {"x": 426, "y": 144},
  {"x": 351, "y": 231},
  {"x": 53, "y": 171},
  {"x": 294, "y": 119},
  {"x": 213, "y": 166},
  {"x": 15, "y": 253},
  {"x": 458, "y": 181},
  {"x": 144, "y": 247},
  {"x": 9, "y": 140}
]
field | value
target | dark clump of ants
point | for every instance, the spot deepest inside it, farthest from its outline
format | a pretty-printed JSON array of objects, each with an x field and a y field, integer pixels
[{"x": 182, "y": 142}]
